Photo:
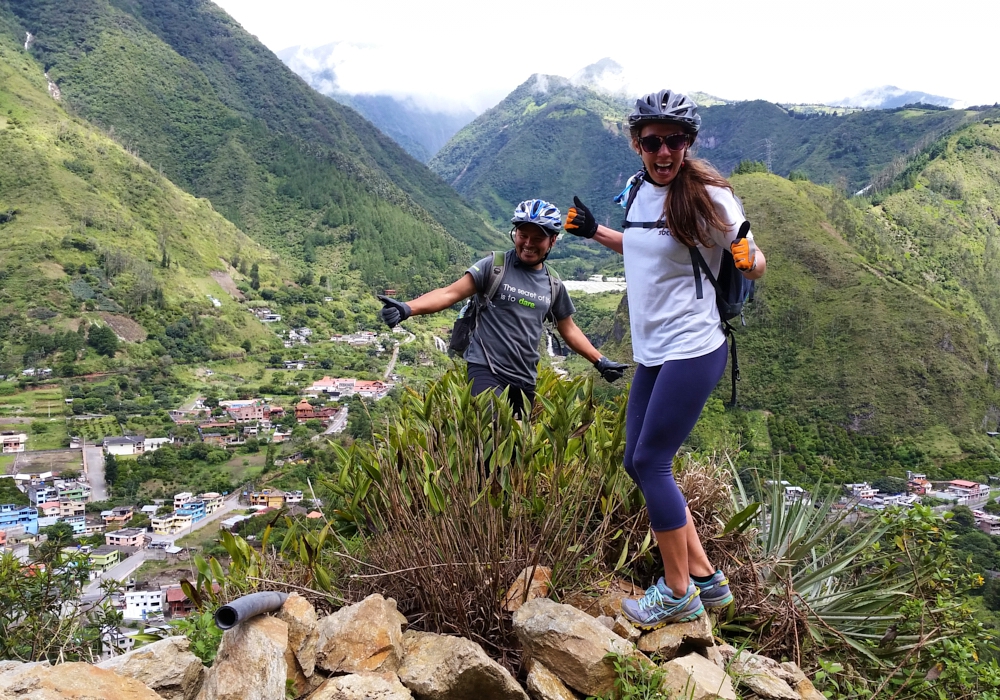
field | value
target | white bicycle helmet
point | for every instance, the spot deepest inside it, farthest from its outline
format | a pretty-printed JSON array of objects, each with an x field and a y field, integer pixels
[
  {"x": 539, "y": 212},
  {"x": 667, "y": 106}
]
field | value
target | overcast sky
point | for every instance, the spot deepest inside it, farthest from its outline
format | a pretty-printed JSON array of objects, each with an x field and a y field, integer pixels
[{"x": 783, "y": 51}]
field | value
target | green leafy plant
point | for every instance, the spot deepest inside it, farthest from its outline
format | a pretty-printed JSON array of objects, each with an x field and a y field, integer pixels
[
  {"x": 454, "y": 497},
  {"x": 203, "y": 633},
  {"x": 635, "y": 679}
]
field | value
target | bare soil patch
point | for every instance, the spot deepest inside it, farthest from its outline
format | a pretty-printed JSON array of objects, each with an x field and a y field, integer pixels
[
  {"x": 226, "y": 282},
  {"x": 125, "y": 327}
]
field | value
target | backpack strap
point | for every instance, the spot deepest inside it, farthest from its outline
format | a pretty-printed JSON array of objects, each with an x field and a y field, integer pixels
[
  {"x": 494, "y": 276},
  {"x": 735, "y": 364},
  {"x": 627, "y": 196},
  {"x": 555, "y": 286}
]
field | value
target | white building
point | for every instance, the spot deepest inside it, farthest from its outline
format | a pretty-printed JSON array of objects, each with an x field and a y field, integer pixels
[
  {"x": 140, "y": 605},
  {"x": 181, "y": 498},
  {"x": 13, "y": 442}
]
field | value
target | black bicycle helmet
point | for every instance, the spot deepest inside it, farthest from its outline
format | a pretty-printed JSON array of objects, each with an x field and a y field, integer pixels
[{"x": 667, "y": 106}]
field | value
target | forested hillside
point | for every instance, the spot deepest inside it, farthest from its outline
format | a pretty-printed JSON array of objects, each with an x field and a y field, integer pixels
[
  {"x": 92, "y": 236},
  {"x": 200, "y": 99},
  {"x": 554, "y": 139}
]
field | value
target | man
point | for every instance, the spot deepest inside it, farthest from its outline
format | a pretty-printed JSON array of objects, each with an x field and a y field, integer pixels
[{"x": 504, "y": 351}]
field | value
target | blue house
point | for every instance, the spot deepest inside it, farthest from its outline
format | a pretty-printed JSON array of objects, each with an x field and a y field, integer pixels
[
  {"x": 13, "y": 517},
  {"x": 196, "y": 509}
]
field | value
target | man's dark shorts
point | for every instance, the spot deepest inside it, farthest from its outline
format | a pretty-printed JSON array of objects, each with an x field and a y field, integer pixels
[{"x": 484, "y": 380}]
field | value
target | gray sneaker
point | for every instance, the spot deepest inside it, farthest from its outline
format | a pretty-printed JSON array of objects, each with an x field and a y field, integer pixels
[
  {"x": 715, "y": 592},
  {"x": 659, "y": 607}
]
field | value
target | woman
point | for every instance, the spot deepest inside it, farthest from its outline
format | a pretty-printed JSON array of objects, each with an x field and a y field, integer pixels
[{"x": 677, "y": 338}]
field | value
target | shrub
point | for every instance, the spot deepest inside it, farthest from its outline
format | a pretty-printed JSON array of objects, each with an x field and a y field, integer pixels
[{"x": 455, "y": 497}]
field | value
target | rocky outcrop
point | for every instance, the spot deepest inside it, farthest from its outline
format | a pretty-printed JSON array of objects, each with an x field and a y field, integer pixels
[
  {"x": 363, "y": 686},
  {"x": 667, "y": 640},
  {"x": 72, "y": 681},
  {"x": 361, "y": 652},
  {"x": 545, "y": 685},
  {"x": 365, "y": 637},
  {"x": 441, "y": 667},
  {"x": 532, "y": 582},
  {"x": 571, "y": 644},
  {"x": 166, "y": 667},
  {"x": 694, "y": 677},
  {"x": 251, "y": 662},
  {"x": 303, "y": 635}
]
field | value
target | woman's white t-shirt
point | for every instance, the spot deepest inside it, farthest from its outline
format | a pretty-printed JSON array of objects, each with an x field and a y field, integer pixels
[{"x": 668, "y": 321}]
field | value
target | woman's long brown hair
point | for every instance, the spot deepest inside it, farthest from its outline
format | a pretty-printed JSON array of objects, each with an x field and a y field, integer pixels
[{"x": 689, "y": 211}]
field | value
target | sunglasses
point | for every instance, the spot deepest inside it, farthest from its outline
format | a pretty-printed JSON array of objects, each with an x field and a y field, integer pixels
[{"x": 674, "y": 142}]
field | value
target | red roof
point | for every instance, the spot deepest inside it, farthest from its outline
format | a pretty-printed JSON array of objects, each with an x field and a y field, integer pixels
[
  {"x": 175, "y": 594},
  {"x": 963, "y": 483}
]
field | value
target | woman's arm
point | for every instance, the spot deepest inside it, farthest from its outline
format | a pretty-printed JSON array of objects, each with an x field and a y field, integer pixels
[
  {"x": 609, "y": 238},
  {"x": 575, "y": 338},
  {"x": 443, "y": 297},
  {"x": 760, "y": 266}
]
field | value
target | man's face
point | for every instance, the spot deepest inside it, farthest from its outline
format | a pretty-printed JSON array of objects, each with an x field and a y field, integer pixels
[{"x": 532, "y": 243}]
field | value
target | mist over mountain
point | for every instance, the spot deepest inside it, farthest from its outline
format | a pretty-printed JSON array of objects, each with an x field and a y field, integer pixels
[
  {"x": 890, "y": 96},
  {"x": 416, "y": 124}
]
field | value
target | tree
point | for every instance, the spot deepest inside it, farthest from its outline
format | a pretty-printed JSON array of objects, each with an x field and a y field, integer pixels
[
  {"x": 246, "y": 345},
  {"x": 991, "y": 594},
  {"x": 103, "y": 340},
  {"x": 746, "y": 167},
  {"x": 110, "y": 469},
  {"x": 255, "y": 277},
  {"x": 60, "y": 534}
]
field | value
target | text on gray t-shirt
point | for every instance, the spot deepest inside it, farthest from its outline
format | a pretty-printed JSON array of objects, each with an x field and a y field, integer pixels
[{"x": 510, "y": 327}]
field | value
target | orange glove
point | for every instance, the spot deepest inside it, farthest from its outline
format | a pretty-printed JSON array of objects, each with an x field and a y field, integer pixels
[{"x": 744, "y": 254}]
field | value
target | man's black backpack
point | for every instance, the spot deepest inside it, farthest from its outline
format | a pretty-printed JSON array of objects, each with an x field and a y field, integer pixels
[
  {"x": 468, "y": 317},
  {"x": 732, "y": 290}
]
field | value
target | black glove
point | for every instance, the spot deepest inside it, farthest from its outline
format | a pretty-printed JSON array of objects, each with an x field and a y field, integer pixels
[
  {"x": 394, "y": 312},
  {"x": 611, "y": 371},
  {"x": 579, "y": 220}
]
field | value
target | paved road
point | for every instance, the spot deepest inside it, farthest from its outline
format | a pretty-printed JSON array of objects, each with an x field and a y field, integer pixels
[
  {"x": 120, "y": 571},
  {"x": 337, "y": 424},
  {"x": 93, "y": 462}
]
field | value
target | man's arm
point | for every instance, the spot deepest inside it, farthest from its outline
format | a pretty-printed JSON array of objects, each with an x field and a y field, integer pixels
[
  {"x": 443, "y": 297},
  {"x": 575, "y": 338}
]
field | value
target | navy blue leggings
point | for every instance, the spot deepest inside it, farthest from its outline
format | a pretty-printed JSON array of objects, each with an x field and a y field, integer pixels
[{"x": 663, "y": 406}]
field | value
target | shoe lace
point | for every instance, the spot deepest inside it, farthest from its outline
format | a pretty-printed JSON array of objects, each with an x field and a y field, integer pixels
[{"x": 653, "y": 598}]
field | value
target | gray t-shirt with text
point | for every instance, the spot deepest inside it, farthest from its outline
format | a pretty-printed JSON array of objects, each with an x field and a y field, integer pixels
[{"x": 510, "y": 327}]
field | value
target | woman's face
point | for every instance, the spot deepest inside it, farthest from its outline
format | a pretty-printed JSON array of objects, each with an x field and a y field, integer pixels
[{"x": 663, "y": 164}]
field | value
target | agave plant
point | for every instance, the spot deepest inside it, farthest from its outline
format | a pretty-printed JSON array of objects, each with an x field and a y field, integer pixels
[{"x": 823, "y": 575}]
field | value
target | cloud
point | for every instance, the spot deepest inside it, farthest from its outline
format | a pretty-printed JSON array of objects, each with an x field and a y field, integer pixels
[{"x": 778, "y": 50}]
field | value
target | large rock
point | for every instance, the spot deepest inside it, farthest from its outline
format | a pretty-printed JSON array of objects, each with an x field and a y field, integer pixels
[
  {"x": 251, "y": 663},
  {"x": 364, "y": 637},
  {"x": 693, "y": 677},
  {"x": 762, "y": 676},
  {"x": 441, "y": 667},
  {"x": 571, "y": 644},
  {"x": 166, "y": 666},
  {"x": 667, "y": 640},
  {"x": 363, "y": 686},
  {"x": 545, "y": 685},
  {"x": 73, "y": 681},
  {"x": 303, "y": 635},
  {"x": 533, "y": 582}
]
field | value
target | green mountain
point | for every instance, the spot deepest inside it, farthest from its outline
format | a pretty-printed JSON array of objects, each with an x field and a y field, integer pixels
[
  {"x": 420, "y": 130},
  {"x": 553, "y": 138},
  {"x": 185, "y": 87},
  {"x": 91, "y": 235}
]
